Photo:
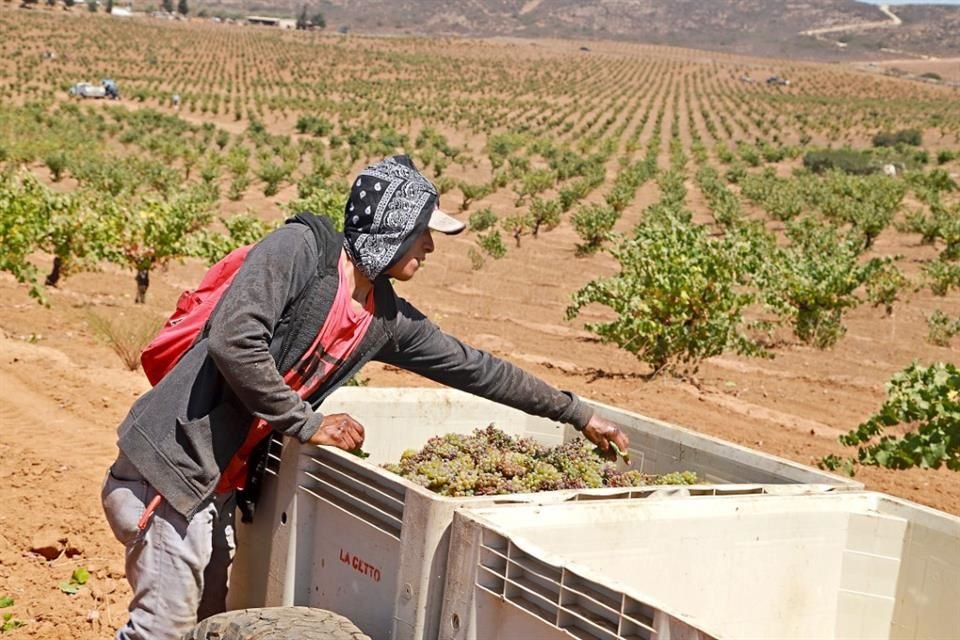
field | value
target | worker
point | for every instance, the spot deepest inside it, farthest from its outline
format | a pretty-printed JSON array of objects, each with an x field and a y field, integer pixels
[{"x": 169, "y": 497}]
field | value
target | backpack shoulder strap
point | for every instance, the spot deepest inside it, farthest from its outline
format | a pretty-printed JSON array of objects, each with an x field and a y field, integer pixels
[
  {"x": 302, "y": 311},
  {"x": 327, "y": 247},
  {"x": 327, "y": 237}
]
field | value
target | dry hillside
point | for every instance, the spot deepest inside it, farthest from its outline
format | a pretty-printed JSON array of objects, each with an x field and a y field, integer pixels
[{"x": 756, "y": 27}]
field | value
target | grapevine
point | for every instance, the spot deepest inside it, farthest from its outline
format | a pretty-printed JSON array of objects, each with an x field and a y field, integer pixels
[{"x": 924, "y": 404}]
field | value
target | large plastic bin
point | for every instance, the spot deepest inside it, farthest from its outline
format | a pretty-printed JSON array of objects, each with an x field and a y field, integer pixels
[
  {"x": 337, "y": 532},
  {"x": 846, "y": 565}
]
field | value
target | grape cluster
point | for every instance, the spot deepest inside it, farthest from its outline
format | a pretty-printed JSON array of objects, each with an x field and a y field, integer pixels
[{"x": 492, "y": 462}]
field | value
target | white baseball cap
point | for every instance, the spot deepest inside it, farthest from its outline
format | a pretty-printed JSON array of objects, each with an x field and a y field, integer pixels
[{"x": 445, "y": 223}]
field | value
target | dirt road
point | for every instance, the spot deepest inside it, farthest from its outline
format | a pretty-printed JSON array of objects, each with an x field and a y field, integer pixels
[{"x": 894, "y": 21}]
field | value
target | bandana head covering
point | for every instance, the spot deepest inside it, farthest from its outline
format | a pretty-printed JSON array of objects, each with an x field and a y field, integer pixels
[{"x": 390, "y": 205}]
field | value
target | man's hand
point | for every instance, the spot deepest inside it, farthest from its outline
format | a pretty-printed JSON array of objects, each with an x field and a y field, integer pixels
[
  {"x": 339, "y": 430},
  {"x": 603, "y": 432}
]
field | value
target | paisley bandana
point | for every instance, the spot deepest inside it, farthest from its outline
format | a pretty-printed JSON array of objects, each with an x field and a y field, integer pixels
[{"x": 390, "y": 205}]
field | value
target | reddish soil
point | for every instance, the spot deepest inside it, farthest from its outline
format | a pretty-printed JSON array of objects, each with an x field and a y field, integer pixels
[{"x": 64, "y": 390}]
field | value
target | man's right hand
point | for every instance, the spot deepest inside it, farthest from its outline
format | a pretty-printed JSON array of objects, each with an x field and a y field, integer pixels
[
  {"x": 339, "y": 430},
  {"x": 603, "y": 433}
]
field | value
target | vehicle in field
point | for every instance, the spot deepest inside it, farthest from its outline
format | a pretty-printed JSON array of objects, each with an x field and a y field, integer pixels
[
  {"x": 87, "y": 90},
  {"x": 106, "y": 89}
]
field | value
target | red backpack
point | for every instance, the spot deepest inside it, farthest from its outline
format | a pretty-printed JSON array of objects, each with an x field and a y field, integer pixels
[
  {"x": 194, "y": 307},
  {"x": 186, "y": 323}
]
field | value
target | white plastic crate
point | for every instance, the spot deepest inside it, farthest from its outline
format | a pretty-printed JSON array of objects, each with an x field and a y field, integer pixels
[
  {"x": 853, "y": 565},
  {"x": 340, "y": 533}
]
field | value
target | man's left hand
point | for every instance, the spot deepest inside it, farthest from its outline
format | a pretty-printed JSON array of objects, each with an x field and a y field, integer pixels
[{"x": 603, "y": 432}]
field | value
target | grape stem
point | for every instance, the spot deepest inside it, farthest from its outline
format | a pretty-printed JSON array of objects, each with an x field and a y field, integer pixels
[{"x": 623, "y": 454}]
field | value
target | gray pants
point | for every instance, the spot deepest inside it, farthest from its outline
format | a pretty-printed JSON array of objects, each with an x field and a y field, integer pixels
[{"x": 178, "y": 569}]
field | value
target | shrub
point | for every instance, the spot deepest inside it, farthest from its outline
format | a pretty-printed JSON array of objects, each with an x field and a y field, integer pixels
[
  {"x": 534, "y": 182},
  {"x": 916, "y": 221},
  {"x": 911, "y": 137},
  {"x": 126, "y": 335},
  {"x": 736, "y": 173},
  {"x": 473, "y": 192},
  {"x": 619, "y": 196},
  {"x": 492, "y": 244},
  {"x": 210, "y": 170},
  {"x": 918, "y": 157},
  {"x": 724, "y": 204},
  {"x": 21, "y": 227},
  {"x": 272, "y": 173},
  {"x": 320, "y": 197},
  {"x": 724, "y": 154},
  {"x": 782, "y": 198},
  {"x": 482, "y": 220},
  {"x": 314, "y": 125},
  {"x": 942, "y": 223},
  {"x": 242, "y": 229},
  {"x": 870, "y": 217},
  {"x": 941, "y": 328},
  {"x": 517, "y": 225},
  {"x": 56, "y": 161},
  {"x": 156, "y": 231},
  {"x": 884, "y": 285},
  {"x": 500, "y": 146},
  {"x": 942, "y": 276},
  {"x": 812, "y": 282},
  {"x": 749, "y": 154},
  {"x": 593, "y": 223},
  {"x": 223, "y": 137},
  {"x": 677, "y": 298},
  {"x": 937, "y": 181},
  {"x": 500, "y": 179},
  {"x": 573, "y": 193},
  {"x": 773, "y": 153},
  {"x": 238, "y": 185},
  {"x": 927, "y": 399},
  {"x": 544, "y": 213},
  {"x": 444, "y": 184},
  {"x": 846, "y": 160},
  {"x": 947, "y": 155},
  {"x": 75, "y": 234}
]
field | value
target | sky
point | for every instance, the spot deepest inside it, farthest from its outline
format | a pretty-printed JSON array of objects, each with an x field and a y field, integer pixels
[{"x": 955, "y": 2}]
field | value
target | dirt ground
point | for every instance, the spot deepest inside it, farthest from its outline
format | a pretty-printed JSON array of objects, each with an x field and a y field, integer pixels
[
  {"x": 64, "y": 391},
  {"x": 946, "y": 68}
]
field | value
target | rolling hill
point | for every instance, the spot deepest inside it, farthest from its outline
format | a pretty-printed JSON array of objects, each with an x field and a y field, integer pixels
[{"x": 756, "y": 27}]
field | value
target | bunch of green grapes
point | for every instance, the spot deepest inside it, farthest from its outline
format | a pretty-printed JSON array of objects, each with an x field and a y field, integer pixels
[
  {"x": 580, "y": 465},
  {"x": 492, "y": 462}
]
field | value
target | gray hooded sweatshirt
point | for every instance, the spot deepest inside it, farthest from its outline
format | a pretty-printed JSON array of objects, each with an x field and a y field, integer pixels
[{"x": 182, "y": 433}]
